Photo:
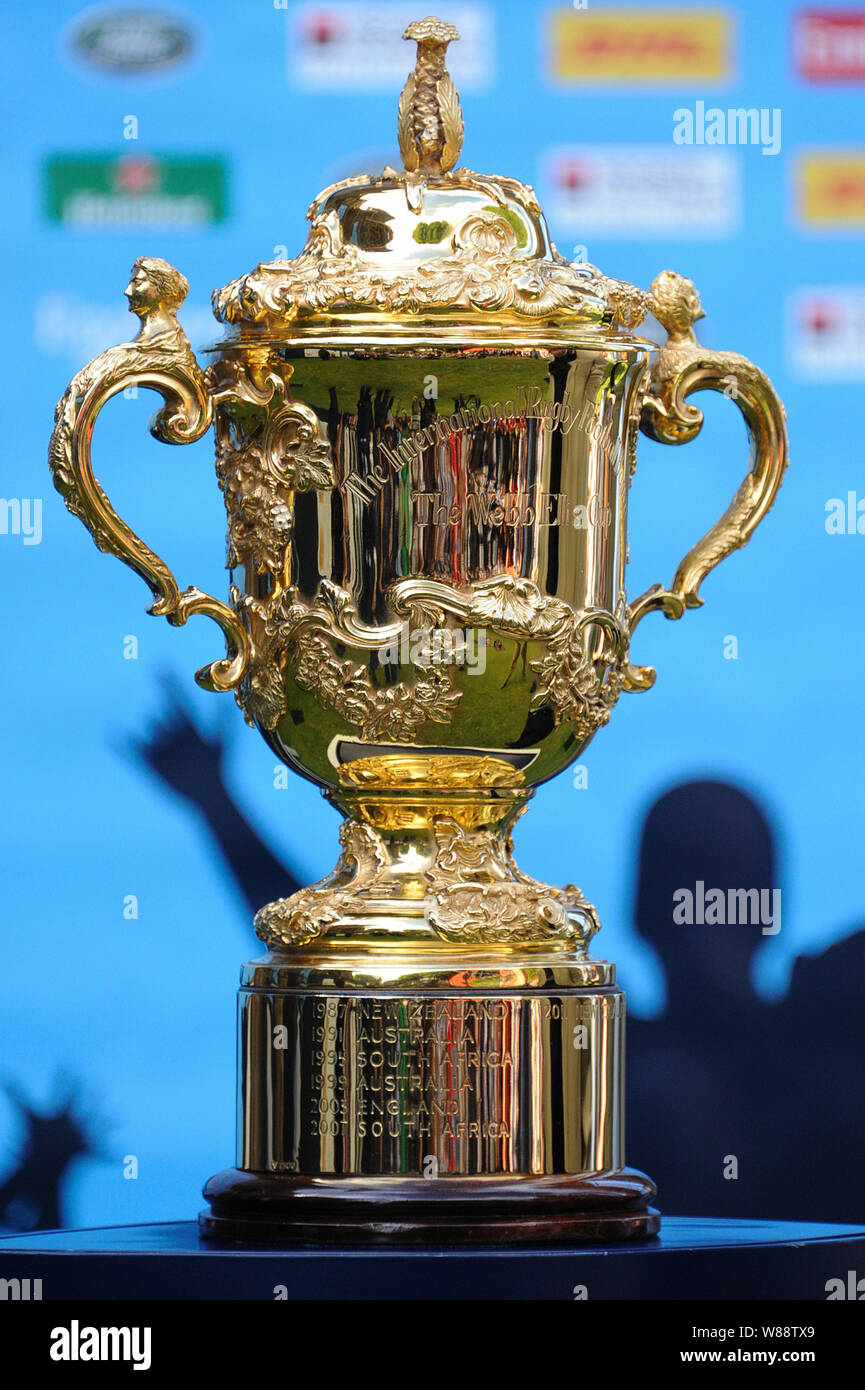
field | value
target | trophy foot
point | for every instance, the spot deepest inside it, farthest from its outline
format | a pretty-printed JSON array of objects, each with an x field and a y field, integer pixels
[
  {"x": 440, "y": 873},
  {"x": 502, "y": 1210}
]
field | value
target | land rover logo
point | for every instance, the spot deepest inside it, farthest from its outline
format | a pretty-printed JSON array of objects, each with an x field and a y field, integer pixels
[{"x": 129, "y": 41}]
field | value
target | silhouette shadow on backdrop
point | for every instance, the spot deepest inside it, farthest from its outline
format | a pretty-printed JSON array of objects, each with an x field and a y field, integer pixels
[
  {"x": 31, "y": 1195},
  {"x": 737, "y": 1107},
  {"x": 824, "y": 1042},
  {"x": 190, "y": 764}
]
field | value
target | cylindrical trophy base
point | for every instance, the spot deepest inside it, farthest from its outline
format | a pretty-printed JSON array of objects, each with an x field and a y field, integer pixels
[
  {"x": 486, "y": 1109},
  {"x": 521, "y": 1210}
]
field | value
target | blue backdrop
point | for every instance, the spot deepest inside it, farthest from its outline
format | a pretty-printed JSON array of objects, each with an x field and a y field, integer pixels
[{"x": 141, "y": 1008}]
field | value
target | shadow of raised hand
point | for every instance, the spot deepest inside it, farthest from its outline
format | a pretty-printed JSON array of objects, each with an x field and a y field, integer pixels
[{"x": 190, "y": 763}]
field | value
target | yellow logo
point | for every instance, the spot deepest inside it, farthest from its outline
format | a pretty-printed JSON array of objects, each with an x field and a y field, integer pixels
[
  {"x": 830, "y": 188},
  {"x": 641, "y": 46}
]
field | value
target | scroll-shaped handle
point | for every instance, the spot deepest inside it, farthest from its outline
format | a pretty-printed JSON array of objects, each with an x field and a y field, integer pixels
[
  {"x": 159, "y": 357},
  {"x": 683, "y": 366}
]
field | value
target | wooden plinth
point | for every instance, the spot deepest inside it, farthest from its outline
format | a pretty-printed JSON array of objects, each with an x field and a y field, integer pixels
[{"x": 286, "y": 1209}]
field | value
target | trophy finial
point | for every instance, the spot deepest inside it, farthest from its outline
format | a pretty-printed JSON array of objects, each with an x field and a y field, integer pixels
[{"x": 430, "y": 121}]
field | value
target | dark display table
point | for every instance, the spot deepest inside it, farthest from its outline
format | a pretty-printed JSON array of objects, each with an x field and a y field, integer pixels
[{"x": 692, "y": 1258}]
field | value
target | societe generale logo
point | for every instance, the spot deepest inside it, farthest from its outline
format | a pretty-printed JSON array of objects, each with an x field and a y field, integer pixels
[
  {"x": 357, "y": 45},
  {"x": 618, "y": 44},
  {"x": 826, "y": 332},
  {"x": 627, "y": 192}
]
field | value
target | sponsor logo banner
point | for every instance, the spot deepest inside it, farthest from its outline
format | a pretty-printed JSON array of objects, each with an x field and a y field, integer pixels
[
  {"x": 129, "y": 41},
  {"x": 826, "y": 332},
  {"x": 111, "y": 193},
  {"x": 829, "y": 45},
  {"x": 830, "y": 189},
  {"x": 624, "y": 44},
  {"x": 622, "y": 192},
  {"x": 348, "y": 46}
]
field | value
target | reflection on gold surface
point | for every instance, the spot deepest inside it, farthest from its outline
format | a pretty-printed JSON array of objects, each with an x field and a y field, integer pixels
[
  {"x": 435, "y": 771},
  {"x": 460, "y": 1083}
]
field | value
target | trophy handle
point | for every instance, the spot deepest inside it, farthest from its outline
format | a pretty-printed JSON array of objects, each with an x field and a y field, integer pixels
[
  {"x": 159, "y": 357},
  {"x": 684, "y": 366}
]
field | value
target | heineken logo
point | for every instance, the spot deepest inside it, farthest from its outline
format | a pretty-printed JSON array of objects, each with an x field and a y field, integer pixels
[
  {"x": 111, "y": 192},
  {"x": 131, "y": 41}
]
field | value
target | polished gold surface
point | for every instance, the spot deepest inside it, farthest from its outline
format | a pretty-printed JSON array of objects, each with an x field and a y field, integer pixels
[
  {"x": 684, "y": 366},
  {"x": 430, "y": 121},
  {"x": 426, "y": 429},
  {"x": 418, "y": 885},
  {"x": 159, "y": 357},
  {"x": 460, "y": 590},
  {"x": 429, "y": 247},
  {"x": 435, "y": 1085},
  {"x": 429, "y": 769}
]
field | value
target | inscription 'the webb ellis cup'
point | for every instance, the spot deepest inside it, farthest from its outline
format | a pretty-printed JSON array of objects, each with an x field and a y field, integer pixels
[{"x": 425, "y": 429}]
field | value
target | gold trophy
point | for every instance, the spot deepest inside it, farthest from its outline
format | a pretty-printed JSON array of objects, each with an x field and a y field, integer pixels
[{"x": 426, "y": 428}]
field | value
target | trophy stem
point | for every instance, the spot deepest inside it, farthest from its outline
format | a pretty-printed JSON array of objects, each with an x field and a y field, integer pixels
[{"x": 423, "y": 874}]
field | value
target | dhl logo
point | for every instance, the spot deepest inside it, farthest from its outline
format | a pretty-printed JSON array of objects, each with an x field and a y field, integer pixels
[
  {"x": 643, "y": 46},
  {"x": 830, "y": 188}
]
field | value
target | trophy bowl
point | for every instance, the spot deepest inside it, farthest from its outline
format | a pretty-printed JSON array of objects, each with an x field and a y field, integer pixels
[{"x": 426, "y": 430}]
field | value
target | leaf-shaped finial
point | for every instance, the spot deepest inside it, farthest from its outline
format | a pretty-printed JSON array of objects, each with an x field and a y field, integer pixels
[{"x": 430, "y": 123}]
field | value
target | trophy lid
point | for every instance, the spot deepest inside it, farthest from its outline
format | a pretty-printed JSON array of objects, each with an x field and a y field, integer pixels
[{"x": 430, "y": 250}]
